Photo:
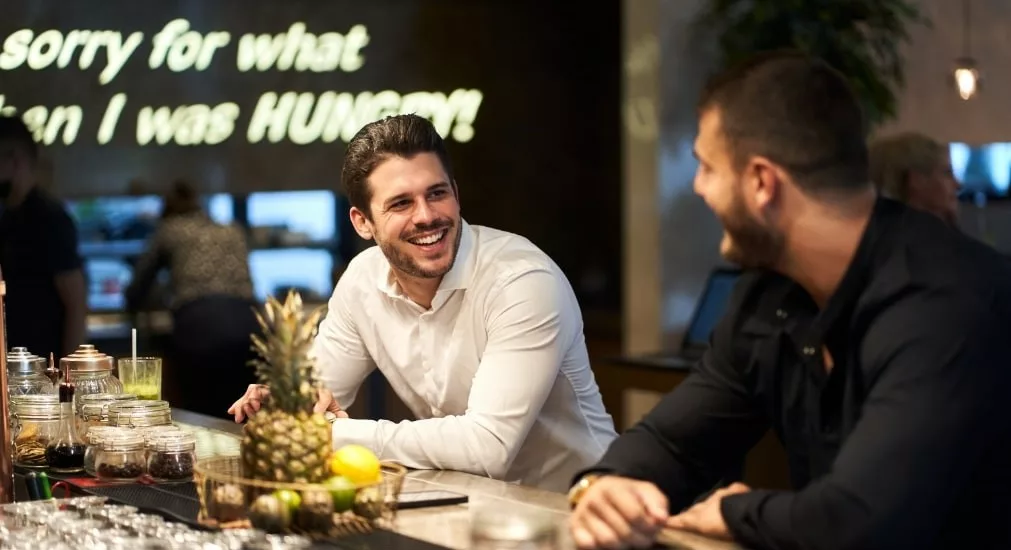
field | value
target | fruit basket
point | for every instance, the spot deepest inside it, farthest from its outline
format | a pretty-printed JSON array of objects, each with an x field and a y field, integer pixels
[{"x": 229, "y": 500}]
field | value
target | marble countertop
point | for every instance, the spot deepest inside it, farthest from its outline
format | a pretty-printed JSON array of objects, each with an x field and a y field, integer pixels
[{"x": 450, "y": 525}]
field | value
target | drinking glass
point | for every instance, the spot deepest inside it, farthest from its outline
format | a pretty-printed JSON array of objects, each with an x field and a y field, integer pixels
[{"x": 141, "y": 377}]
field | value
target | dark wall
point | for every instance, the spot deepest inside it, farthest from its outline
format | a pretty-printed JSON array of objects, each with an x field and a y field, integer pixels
[{"x": 543, "y": 160}]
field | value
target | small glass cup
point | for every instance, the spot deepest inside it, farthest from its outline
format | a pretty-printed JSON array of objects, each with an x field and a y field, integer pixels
[
  {"x": 141, "y": 377},
  {"x": 495, "y": 528}
]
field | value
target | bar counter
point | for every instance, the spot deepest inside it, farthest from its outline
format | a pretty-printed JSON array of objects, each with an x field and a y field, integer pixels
[{"x": 449, "y": 526}]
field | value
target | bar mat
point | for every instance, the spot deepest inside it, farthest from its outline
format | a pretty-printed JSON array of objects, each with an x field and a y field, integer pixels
[
  {"x": 380, "y": 539},
  {"x": 172, "y": 501}
]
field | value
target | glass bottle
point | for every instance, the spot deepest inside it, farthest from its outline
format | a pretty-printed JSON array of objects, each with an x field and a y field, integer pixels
[
  {"x": 91, "y": 371},
  {"x": 26, "y": 374},
  {"x": 94, "y": 437},
  {"x": 66, "y": 453}
]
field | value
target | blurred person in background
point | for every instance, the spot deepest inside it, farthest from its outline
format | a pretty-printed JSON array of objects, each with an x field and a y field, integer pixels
[
  {"x": 915, "y": 169},
  {"x": 211, "y": 300},
  {"x": 46, "y": 292}
]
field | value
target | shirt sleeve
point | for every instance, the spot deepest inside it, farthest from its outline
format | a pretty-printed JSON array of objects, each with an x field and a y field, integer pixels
[
  {"x": 530, "y": 325},
  {"x": 699, "y": 432},
  {"x": 61, "y": 251},
  {"x": 341, "y": 357},
  {"x": 927, "y": 420}
]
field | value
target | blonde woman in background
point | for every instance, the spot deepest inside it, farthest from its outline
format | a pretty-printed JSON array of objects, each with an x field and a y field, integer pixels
[{"x": 915, "y": 169}]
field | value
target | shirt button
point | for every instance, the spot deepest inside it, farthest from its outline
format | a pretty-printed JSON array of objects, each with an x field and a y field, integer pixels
[
  {"x": 781, "y": 314},
  {"x": 809, "y": 350}
]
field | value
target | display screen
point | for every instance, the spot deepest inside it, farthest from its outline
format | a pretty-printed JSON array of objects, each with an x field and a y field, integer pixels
[{"x": 982, "y": 168}]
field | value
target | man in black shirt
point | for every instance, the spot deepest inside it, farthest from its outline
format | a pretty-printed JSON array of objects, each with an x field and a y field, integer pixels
[
  {"x": 869, "y": 336},
  {"x": 46, "y": 295}
]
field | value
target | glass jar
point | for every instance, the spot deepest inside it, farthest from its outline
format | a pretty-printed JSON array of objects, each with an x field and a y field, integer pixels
[
  {"x": 94, "y": 409},
  {"x": 140, "y": 414},
  {"x": 26, "y": 374},
  {"x": 91, "y": 371},
  {"x": 36, "y": 420},
  {"x": 171, "y": 456},
  {"x": 121, "y": 457},
  {"x": 94, "y": 439}
]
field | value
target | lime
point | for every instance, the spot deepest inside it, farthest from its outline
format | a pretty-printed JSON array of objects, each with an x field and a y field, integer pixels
[
  {"x": 291, "y": 499},
  {"x": 342, "y": 491},
  {"x": 357, "y": 463}
]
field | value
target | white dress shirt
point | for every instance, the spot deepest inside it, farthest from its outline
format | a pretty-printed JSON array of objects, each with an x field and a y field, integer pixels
[{"x": 496, "y": 372}]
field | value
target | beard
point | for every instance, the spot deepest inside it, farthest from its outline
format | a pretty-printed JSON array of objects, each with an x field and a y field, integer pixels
[
  {"x": 747, "y": 242},
  {"x": 397, "y": 254}
]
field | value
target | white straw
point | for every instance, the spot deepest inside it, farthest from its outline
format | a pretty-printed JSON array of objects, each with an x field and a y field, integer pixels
[{"x": 133, "y": 345}]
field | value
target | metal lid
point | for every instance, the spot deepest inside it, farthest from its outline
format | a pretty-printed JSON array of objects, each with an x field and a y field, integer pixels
[
  {"x": 37, "y": 407},
  {"x": 21, "y": 362},
  {"x": 87, "y": 359}
]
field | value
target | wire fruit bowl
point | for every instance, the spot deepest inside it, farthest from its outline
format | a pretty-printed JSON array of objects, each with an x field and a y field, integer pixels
[{"x": 228, "y": 501}]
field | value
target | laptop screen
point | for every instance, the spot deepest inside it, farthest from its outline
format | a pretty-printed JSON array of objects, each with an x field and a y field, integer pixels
[{"x": 711, "y": 306}]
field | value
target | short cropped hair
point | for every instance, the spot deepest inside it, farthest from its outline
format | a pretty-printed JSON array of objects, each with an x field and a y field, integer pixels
[
  {"x": 798, "y": 112},
  {"x": 14, "y": 132}
]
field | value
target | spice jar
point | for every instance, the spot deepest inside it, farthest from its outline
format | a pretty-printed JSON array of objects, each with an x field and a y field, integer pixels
[
  {"x": 94, "y": 408},
  {"x": 26, "y": 374},
  {"x": 121, "y": 457},
  {"x": 140, "y": 414},
  {"x": 36, "y": 421},
  {"x": 171, "y": 457},
  {"x": 91, "y": 371},
  {"x": 94, "y": 438}
]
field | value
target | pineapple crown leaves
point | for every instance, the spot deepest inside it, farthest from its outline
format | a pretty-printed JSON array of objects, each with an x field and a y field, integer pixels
[{"x": 286, "y": 363}]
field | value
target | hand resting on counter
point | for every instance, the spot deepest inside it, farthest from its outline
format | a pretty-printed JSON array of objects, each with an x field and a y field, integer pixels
[
  {"x": 252, "y": 400},
  {"x": 619, "y": 512}
]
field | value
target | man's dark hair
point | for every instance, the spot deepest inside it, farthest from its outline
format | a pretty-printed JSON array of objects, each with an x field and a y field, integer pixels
[
  {"x": 798, "y": 112},
  {"x": 394, "y": 136},
  {"x": 14, "y": 131}
]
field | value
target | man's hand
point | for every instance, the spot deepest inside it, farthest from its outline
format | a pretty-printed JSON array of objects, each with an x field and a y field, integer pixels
[
  {"x": 250, "y": 402},
  {"x": 617, "y": 512},
  {"x": 705, "y": 517},
  {"x": 325, "y": 403}
]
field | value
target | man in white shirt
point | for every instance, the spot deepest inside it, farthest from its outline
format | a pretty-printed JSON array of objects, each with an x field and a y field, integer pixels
[{"x": 477, "y": 330}]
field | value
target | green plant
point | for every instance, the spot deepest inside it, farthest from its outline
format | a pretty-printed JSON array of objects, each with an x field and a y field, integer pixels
[{"x": 860, "y": 38}]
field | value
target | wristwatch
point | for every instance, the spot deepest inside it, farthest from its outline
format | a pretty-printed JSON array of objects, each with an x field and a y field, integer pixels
[{"x": 577, "y": 490}]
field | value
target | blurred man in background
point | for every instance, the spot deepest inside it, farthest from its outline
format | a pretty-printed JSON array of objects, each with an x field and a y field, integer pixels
[
  {"x": 46, "y": 294},
  {"x": 915, "y": 169}
]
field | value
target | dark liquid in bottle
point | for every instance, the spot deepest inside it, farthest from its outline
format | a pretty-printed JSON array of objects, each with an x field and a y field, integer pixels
[{"x": 65, "y": 458}]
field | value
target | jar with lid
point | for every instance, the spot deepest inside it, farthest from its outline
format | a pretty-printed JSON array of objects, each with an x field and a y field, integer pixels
[
  {"x": 121, "y": 457},
  {"x": 91, "y": 371},
  {"x": 26, "y": 374},
  {"x": 36, "y": 420},
  {"x": 140, "y": 414},
  {"x": 94, "y": 439},
  {"x": 171, "y": 456},
  {"x": 94, "y": 409}
]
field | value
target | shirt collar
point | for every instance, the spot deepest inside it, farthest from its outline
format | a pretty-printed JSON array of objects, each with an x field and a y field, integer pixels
[{"x": 457, "y": 278}]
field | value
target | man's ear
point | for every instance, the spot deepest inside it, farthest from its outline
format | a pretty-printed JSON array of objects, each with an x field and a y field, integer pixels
[
  {"x": 363, "y": 226},
  {"x": 762, "y": 180}
]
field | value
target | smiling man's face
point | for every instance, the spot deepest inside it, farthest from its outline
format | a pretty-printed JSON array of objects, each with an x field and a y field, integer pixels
[{"x": 415, "y": 215}]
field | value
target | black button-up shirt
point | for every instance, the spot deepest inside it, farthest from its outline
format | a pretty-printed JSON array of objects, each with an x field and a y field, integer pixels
[{"x": 904, "y": 443}]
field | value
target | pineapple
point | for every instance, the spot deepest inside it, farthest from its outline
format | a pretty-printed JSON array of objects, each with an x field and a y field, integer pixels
[{"x": 285, "y": 441}]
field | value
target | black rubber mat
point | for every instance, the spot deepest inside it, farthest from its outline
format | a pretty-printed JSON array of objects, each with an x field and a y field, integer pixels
[{"x": 174, "y": 502}]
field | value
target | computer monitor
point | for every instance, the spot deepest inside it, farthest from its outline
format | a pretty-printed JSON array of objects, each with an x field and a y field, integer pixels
[
  {"x": 982, "y": 168},
  {"x": 711, "y": 306},
  {"x": 311, "y": 215},
  {"x": 307, "y": 270}
]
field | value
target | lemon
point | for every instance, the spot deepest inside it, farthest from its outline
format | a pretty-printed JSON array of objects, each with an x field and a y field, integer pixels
[{"x": 357, "y": 463}]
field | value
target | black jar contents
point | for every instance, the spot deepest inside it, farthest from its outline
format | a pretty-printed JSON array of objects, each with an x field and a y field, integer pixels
[
  {"x": 66, "y": 458},
  {"x": 129, "y": 470},
  {"x": 171, "y": 465}
]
